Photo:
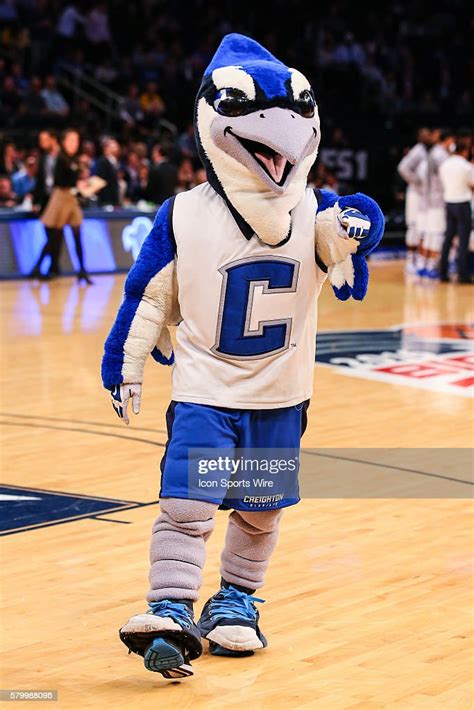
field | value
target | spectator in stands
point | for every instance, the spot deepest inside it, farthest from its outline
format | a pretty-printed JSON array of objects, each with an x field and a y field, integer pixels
[
  {"x": 54, "y": 101},
  {"x": 70, "y": 22},
  {"x": 349, "y": 51},
  {"x": 97, "y": 31},
  {"x": 7, "y": 196},
  {"x": 141, "y": 149},
  {"x": 132, "y": 167},
  {"x": 34, "y": 102},
  {"x": 187, "y": 143},
  {"x": 24, "y": 180},
  {"x": 163, "y": 177},
  {"x": 88, "y": 148},
  {"x": 185, "y": 179},
  {"x": 151, "y": 101},
  {"x": 10, "y": 97},
  {"x": 107, "y": 168},
  {"x": 16, "y": 72},
  {"x": 132, "y": 112},
  {"x": 85, "y": 166},
  {"x": 200, "y": 176},
  {"x": 10, "y": 162},
  {"x": 142, "y": 187}
]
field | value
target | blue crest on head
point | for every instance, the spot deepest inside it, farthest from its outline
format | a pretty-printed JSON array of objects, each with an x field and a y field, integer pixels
[{"x": 268, "y": 71}]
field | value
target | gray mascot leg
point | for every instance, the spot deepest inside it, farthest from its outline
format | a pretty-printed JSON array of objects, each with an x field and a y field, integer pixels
[
  {"x": 167, "y": 636},
  {"x": 250, "y": 540},
  {"x": 177, "y": 549},
  {"x": 230, "y": 619}
]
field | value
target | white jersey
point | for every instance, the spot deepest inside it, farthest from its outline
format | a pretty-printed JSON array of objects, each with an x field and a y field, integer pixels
[
  {"x": 428, "y": 173},
  {"x": 409, "y": 164},
  {"x": 248, "y": 329}
]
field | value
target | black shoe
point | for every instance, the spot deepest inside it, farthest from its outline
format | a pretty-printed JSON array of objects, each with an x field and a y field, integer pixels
[
  {"x": 229, "y": 621},
  {"x": 166, "y": 636},
  {"x": 84, "y": 276},
  {"x": 444, "y": 279}
]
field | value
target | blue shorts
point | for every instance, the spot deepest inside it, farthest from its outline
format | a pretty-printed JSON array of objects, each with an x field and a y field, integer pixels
[{"x": 199, "y": 426}]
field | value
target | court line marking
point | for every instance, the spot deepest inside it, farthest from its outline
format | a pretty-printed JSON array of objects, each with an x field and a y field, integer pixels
[
  {"x": 84, "y": 431},
  {"x": 73, "y": 495},
  {"x": 84, "y": 516},
  {"x": 78, "y": 421},
  {"x": 386, "y": 465}
]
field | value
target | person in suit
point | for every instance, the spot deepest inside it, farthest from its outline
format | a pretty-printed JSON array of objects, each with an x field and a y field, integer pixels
[
  {"x": 457, "y": 180},
  {"x": 107, "y": 168},
  {"x": 163, "y": 177}
]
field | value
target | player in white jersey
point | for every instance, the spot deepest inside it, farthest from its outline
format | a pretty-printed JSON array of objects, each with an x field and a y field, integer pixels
[
  {"x": 414, "y": 202},
  {"x": 238, "y": 263},
  {"x": 433, "y": 214}
]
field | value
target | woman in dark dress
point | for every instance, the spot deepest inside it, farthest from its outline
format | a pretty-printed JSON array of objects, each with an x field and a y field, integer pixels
[{"x": 63, "y": 206}]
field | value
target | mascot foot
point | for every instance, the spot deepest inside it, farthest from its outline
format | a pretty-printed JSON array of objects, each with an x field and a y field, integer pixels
[
  {"x": 229, "y": 621},
  {"x": 166, "y": 637}
]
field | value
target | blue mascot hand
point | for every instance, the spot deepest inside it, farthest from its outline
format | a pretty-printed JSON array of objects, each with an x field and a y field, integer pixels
[
  {"x": 362, "y": 219},
  {"x": 373, "y": 213},
  {"x": 355, "y": 224}
]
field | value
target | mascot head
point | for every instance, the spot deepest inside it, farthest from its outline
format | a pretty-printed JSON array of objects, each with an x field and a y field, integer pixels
[{"x": 258, "y": 133}]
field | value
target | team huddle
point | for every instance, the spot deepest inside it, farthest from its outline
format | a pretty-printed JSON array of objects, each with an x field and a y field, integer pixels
[{"x": 440, "y": 179}]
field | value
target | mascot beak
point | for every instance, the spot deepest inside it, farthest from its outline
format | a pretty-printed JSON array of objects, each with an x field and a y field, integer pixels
[{"x": 270, "y": 142}]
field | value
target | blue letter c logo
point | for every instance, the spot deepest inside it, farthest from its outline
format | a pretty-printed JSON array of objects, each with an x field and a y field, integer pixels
[{"x": 234, "y": 337}]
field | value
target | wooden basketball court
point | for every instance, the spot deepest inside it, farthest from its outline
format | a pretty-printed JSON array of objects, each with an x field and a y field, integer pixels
[{"x": 369, "y": 601}]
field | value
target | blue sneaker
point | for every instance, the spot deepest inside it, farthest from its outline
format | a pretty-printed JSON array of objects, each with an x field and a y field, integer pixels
[
  {"x": 432, "y": 274},
  {"x": 229, "y": 621},
  {"x": 422, "y": 272},
  {"x": 166, "y": 636}
]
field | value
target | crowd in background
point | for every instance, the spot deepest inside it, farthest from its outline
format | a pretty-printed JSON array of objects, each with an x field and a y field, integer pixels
[
  {"x": 378, "y": 72},
  {"x": 135, "y": 173},
  {"x": 398, "y": 59}
]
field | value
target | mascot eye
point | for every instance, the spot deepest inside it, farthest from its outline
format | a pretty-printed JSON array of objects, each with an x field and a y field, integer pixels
[
  {"x": 306, "y": 104},
  {"x": 231, "y": 102}
]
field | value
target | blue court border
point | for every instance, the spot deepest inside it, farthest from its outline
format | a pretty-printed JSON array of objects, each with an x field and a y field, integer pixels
[{"x": 111, "y": 505}]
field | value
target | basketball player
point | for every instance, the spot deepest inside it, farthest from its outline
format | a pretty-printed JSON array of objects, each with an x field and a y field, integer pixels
[
  {"x": 408, "y": 168},
  {"x": 433, "y": 213}
]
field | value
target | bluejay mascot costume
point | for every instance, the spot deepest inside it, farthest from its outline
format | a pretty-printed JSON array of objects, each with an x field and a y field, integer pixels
[{"x": 238, "y": 263}]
